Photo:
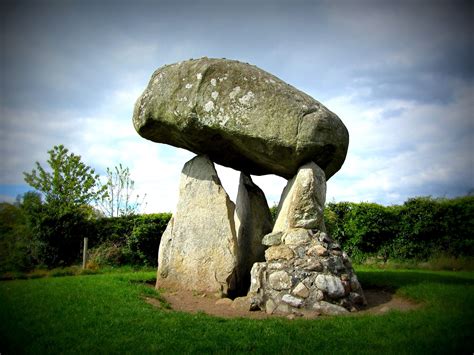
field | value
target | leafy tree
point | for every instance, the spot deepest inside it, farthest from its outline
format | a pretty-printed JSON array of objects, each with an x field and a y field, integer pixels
[
  {"x": 274, "y": 212},
  {"x": 71, "y": 182},
  {"x": 60, "y": 223},
  {"x": 119, "y": 199}
]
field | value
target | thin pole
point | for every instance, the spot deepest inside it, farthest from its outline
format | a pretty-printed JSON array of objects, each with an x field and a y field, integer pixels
[{"x": 84, "y": 253}]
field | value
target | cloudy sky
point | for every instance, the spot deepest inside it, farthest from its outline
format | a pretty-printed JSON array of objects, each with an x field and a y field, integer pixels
[{"x": 400, "y": 74}]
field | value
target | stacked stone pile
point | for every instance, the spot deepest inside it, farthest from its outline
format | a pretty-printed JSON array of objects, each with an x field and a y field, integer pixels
[
  {"x": 305, "y": 270},
  {"x": 245, "y": 118}
]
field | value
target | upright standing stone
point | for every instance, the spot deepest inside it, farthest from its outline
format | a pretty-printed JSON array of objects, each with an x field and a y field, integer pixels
[
  {"x": 198, "y": 250},
  {"x": 302, "y": 202},
  {"x": 252, "y": 221}
]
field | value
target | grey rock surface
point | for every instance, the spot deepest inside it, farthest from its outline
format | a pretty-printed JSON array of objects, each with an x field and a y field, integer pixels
[
  {"x": 252, "y": 221},
  {"x": 198, "y": 250},
  {"x": 331, "y": 285},
  {"x": 257, "y": 273},
  {"x": 279, "y": 280},
  {"x": 292, "y": 300},
  {"x": 302, "y": 201},
  {"x": 272, "y": 239},
  {"x": 301, "y": 290},
  {"x": 241, "y": 117},
  {"x": 296, "y": 236},
  {"x": 278, "y": 252},
  {"x": 329, "y": 309}
]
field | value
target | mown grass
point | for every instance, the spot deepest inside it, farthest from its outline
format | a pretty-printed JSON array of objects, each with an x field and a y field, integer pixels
[
  {"x": 436, "y": 263},
  {"x": 71, "y": 271},
  {"x": 106, "y": 313}
]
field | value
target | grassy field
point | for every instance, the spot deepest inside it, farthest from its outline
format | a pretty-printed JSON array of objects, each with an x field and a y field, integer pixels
[{"x": 106, "y": 313}]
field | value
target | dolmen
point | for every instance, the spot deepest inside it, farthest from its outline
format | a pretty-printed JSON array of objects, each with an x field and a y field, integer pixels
[{"x": 242, "y": 117}]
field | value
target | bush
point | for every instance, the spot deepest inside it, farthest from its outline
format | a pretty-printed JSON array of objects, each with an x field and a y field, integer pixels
[
  {"x": 420, "y": 229},
  {"x": 371, "y": 228},
  {"x": 112, "y": 229},
  {"x": 15, "y": 240},
  {"x": 106, "y": 254},
  {"x": 145, "y": 238},
  {"x": 60, "y": 235},
  {"x": 34, "y": 234},
  {"x": 274, "y": 213},
  {"x": 128, "y": 240},
  {"x": 335, "y": 218}
]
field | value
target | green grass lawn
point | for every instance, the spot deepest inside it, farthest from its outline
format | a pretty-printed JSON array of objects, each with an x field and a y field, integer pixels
[{"x": 106, "y": 313}]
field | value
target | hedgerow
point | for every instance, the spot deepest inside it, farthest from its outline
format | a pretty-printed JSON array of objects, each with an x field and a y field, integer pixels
[
  {"x": 421, "y": 228},
  {"x": 32, "y": 235},
  {"x": 128, "y": 240}
]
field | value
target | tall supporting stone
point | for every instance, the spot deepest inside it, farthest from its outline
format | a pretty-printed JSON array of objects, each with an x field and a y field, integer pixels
[
  {"x": 252, "y": 221},
  {"x": 198, "y": 250}
]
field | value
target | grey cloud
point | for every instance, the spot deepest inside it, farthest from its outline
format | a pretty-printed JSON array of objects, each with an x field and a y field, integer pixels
[
  {"x": 67, "y": 53},
  {"x": 61, "y": 59}
]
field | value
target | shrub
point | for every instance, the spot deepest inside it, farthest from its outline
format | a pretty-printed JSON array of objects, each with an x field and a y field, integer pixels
[
  {"x": 371, "y": 228},
  {"x": 106, "y": 254},
  {"x": 15, "y": 240},
  {"x": 335, "y": 217},
  {"x": 112, "y": 229},
  {"x": 420, "y": 229},
  {"x": 128, "y": 240},
  {"x": 145, "y": 238},
  {"x": 60, "y": 235},
  {"x": 274, "y": 213}
]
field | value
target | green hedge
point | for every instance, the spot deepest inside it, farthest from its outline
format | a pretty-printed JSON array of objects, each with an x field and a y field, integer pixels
[
  {"x": 128, "y": 240},
  {"x": 34, "y": 234},
  {"x": 15, "y": 240},
  {"x": 421, "y": 228}
]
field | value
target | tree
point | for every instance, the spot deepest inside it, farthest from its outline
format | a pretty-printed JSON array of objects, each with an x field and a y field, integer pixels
[
  {"x": 60, "y": 223},
  {"x": 70, "y": 184},
  {"x": 119, "y": 199}
]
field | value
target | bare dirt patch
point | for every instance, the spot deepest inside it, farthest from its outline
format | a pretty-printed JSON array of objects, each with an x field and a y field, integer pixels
[{"x": 379, "y": 301}]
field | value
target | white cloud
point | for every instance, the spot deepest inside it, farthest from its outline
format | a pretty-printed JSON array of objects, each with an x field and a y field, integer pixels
[
  {"x": 423, "y": 150},
  {"x": 271, "y": 185}
]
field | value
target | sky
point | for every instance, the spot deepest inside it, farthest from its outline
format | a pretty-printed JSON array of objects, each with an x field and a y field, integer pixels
[{"x": 400, "y": 74}]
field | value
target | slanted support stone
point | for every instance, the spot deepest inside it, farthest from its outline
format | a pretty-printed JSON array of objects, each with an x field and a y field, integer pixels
[{"x": 252, "y": 221}]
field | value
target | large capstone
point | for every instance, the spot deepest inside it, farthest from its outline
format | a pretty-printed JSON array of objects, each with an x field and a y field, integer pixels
[
  {"x": 252, "y": 221},
  {"x": 241, "y": 117},
  {"x": 198, "y": 250}
]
